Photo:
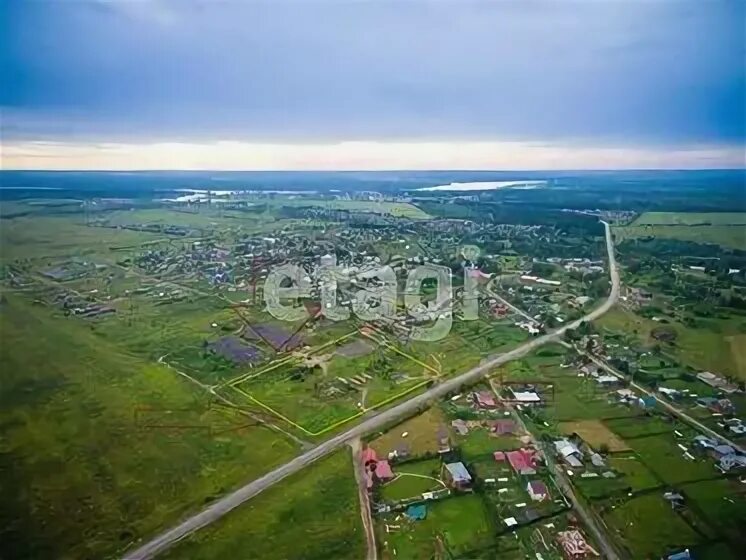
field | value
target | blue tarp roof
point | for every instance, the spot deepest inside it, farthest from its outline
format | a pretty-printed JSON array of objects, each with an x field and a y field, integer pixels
[{"x": 418, "y": 512}]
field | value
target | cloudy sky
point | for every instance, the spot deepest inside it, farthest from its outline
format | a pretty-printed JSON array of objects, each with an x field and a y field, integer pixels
[{"x": 325, "y": 84}]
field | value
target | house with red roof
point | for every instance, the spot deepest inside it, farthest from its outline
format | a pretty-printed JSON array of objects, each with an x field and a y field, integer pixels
[
  {"x": 369, "y": 456},
  {"x": 502, "y": 427},
  {"x": 383, "y": 470},
  {"x": 485, "y": 399},
  {"x": 523, "y": 461}
]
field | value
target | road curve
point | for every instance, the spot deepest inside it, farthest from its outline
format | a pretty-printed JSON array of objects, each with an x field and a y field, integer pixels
[{"x": 224, "y": 505}]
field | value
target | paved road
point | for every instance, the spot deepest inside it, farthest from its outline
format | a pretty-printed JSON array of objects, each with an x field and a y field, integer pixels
[{"x": 218, "y": 509}]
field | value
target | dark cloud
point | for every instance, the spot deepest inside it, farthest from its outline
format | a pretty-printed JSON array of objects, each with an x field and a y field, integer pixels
[{"x": 653, "y": 72}]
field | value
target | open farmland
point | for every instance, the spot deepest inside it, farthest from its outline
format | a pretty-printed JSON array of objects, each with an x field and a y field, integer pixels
[
  {"x": 691, "y": 219},
  {"x": 397, "y": 209},
  {"x": 732, "y": 236}
]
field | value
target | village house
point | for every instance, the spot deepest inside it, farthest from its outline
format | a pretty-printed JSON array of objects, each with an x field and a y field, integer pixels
[
  {"x": 569, "y": 453},
  {"x": 485, "y": 399},
  {"x": 523, "y": 461},
  {"x": 525, "y": 397},
  {"x": 457, "y": 475},
  {"x": 460, "y": 426},
  {"x": 537, "y": 490},
  {"x": 717, "y": 382},
  {"x": 501, "y": 427}
]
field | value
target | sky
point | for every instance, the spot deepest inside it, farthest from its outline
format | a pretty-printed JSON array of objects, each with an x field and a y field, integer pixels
[{"x": 349, "y": 84}]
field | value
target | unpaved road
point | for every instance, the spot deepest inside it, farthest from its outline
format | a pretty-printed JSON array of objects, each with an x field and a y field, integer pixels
[
  {"x": 218, "y": 509},
  {"x": 362, "y": 489},
  {"x": 590, "y": 520},
  {"x": 668, "y": 406}
]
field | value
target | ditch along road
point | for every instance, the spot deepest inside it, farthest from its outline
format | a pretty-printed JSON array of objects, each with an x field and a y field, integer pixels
[{"x": 381, "y": 420}]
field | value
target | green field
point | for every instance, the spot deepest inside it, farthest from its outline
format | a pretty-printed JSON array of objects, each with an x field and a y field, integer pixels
[
  {"x": 691, "y": 219},
  {"x": 313, "y": 515},
  {"x": 100, "y": 448},
  {"x": 723, "y": 503},
  {"x": 24, "y": 238},
  {"x": 665, "y": 459},
  {"x": 718, "y": 350},
  {"x": 728, "y": 236},
  {"x": 649, "y": 528},
  {"x": 461, "y": 524},
  {"x": 397, "y": 209}
]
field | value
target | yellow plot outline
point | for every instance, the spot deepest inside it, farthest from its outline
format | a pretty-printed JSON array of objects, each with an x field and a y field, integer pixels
[{"x": 233, "y": 384}]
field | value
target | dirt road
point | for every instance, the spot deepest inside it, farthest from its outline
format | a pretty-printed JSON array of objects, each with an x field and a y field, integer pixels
[
  {"x": 383, "y": 419},
  {"x": 359, "y": 467},
  {"x": 590, "y": 519}
]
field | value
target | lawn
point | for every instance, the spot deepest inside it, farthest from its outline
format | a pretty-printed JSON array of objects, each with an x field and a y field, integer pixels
[
  {"x": 313, "y": 515},
  {"x": 413, "y": 478},
  {"x": 83, "y": 476},
  {"x": 649, "y": 528}
]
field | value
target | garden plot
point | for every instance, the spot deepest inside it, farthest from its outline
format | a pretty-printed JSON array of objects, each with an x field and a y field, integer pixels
[
  {"x": 649, "y": 528},
  {"x": 452, "y": 527},
  {"x": 663, "y": 456},
  {"x": 722, "y": 503},
  {"x": 595, "y": 434},
  {"x": 314, "y": 389},
  {"x": 641, "y": 426},
  {"x": 634, "y": 473},
  {"x": 417, "y": 436}
]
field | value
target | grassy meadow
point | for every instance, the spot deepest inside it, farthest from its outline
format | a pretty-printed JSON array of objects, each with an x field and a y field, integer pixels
[
  {"x": 101, "y": 448},
  {"x": 313, "y": 515}
]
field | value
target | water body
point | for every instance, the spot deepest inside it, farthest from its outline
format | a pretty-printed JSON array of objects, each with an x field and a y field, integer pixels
[{"x": 487, "y": 186}]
